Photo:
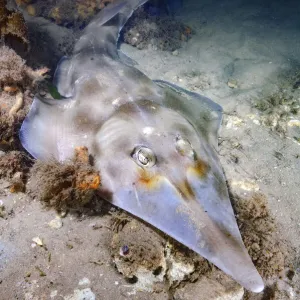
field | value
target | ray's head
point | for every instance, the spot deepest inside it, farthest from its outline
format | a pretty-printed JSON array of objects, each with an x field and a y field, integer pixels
[
  {"x": 145, "y": 143},
  {"x": 157, "y": 166}
]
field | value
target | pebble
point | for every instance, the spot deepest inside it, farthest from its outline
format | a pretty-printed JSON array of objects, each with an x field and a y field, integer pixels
[
  {"x": 56, "y": 223},
  {"x": 84, "y": 281},
  {"x": 175, "y": 53},
  {"x": 85, "y": 294},
  {"x": 232, "y": 83},
  {"x": 31, "y": 10},
  {"x": 246, "y": 185},
  {"x": 293, "y": 123},
  {"x": 53, "y": 294},
  {"x": 38, "y": 241}
]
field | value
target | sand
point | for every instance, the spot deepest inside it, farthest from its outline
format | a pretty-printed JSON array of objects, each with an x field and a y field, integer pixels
[{"x": 244, "y": 56}]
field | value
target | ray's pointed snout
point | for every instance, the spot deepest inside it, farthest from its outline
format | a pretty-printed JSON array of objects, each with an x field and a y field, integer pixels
[{"x": 193, "y": 210}]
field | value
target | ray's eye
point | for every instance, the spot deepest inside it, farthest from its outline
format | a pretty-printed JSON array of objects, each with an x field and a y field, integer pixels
[
  {"x": 144, "y": 156},
  {"x": 184, "y": 147}
]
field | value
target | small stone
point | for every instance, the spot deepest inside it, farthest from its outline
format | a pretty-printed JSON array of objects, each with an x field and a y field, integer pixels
[
  {"x": 232, "y": 83},
  {"x": 17, "y": 183},
  {"x": 63, "y": 214},
  {"x": 85, "y": 294},
  {"x": 70, "y": 246},
  {"x": 84, "y": 281},
  {"x": 53, "y": 294},
  {"x": 233, "y": 122},
  {"x": 38, "y": 241},
  {"x": 2, "y": 209},
  {"x": 294, "y": 123},
  {"x": 175, "y": 53},
  {"x": 56, "y": 223},
  {"x": 124, "y": 250},
  {"x": 31, "y": 10},
  {"x": 246, "y": 185}
]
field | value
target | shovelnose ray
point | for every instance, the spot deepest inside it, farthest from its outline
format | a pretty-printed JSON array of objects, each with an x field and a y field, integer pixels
[{"x": 153, "y": 142}]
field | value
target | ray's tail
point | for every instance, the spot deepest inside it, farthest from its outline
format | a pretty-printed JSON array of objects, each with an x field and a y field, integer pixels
[
  {"x": 99, "y": 39},
  {"x": 102, "y": 33}
]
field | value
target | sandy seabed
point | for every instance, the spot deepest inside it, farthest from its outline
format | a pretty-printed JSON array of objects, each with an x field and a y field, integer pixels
[{"x": 246, "y": 57}]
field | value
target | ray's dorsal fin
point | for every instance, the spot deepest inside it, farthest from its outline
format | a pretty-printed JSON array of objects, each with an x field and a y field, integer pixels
[
  {"x": 205, "y": 114},
  {"x": 99, "y": 38}
]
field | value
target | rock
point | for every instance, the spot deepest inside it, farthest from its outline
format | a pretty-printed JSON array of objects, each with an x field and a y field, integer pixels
[
  {"x": 175, "y": 53},
  {"x": 179, "y": 267},
  {"x": 233, "y": 122},
  {"x": 2, "y": 209},
  {"x": 146, "y": 259},
  {"x": 294, "y": 123},
  {"x": 31, "y": 10},
  {"x": 84, "y": 281},
  {"x": 143, "y": 261},
  {"x": 216, "y": 288},
  {"x": 17, "y": 185},
  {"x": 56, "y": 223},
  {"x": 232, "y": 83},
  {"x": 85, "y": 294},
  {"x": 53, "y": 294},
  {"x": 248, "y": 185},
  {"x": 38, "y": 241}
]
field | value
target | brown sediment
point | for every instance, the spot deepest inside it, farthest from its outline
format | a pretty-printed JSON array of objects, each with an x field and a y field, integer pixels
[
  {"x": 145, "y": 248},
  {"x": 65, "y": 186},
  {"x": 260, "y": 235},
  {"x": 13, "y": 162}
]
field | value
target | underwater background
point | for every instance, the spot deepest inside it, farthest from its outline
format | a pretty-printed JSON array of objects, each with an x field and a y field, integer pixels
[{"x": 59, "y": 242}]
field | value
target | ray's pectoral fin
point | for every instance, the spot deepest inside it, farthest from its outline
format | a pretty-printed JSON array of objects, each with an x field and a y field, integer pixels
[
  {"x": 205, "y": 114},
  {"x": 44, "y": 129},
  {"x": 188, "y": 215}
]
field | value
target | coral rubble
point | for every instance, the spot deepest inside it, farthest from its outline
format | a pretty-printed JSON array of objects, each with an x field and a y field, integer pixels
[
  {"x": 65, "y": 12},
  {"x": 143, "y": 29},
  {"x": 158, "y": 32},
  {"x": 17, "y": 83},
  {"x": 13, "y": 29}
]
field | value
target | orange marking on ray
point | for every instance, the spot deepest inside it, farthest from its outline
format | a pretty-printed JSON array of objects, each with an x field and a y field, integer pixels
[
  {"x": 185, "y": 190},
  {"x": 200, "y": 168},
  {"x": 148, "y": 179}
]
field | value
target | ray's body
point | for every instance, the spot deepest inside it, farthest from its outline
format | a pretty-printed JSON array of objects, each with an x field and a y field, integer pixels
[{"x": 153, "y": 142}]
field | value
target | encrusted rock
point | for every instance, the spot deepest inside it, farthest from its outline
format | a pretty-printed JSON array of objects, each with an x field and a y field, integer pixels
[
  {"x": 218, "y": 287},
  {"x": 145, "y": 258}
]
